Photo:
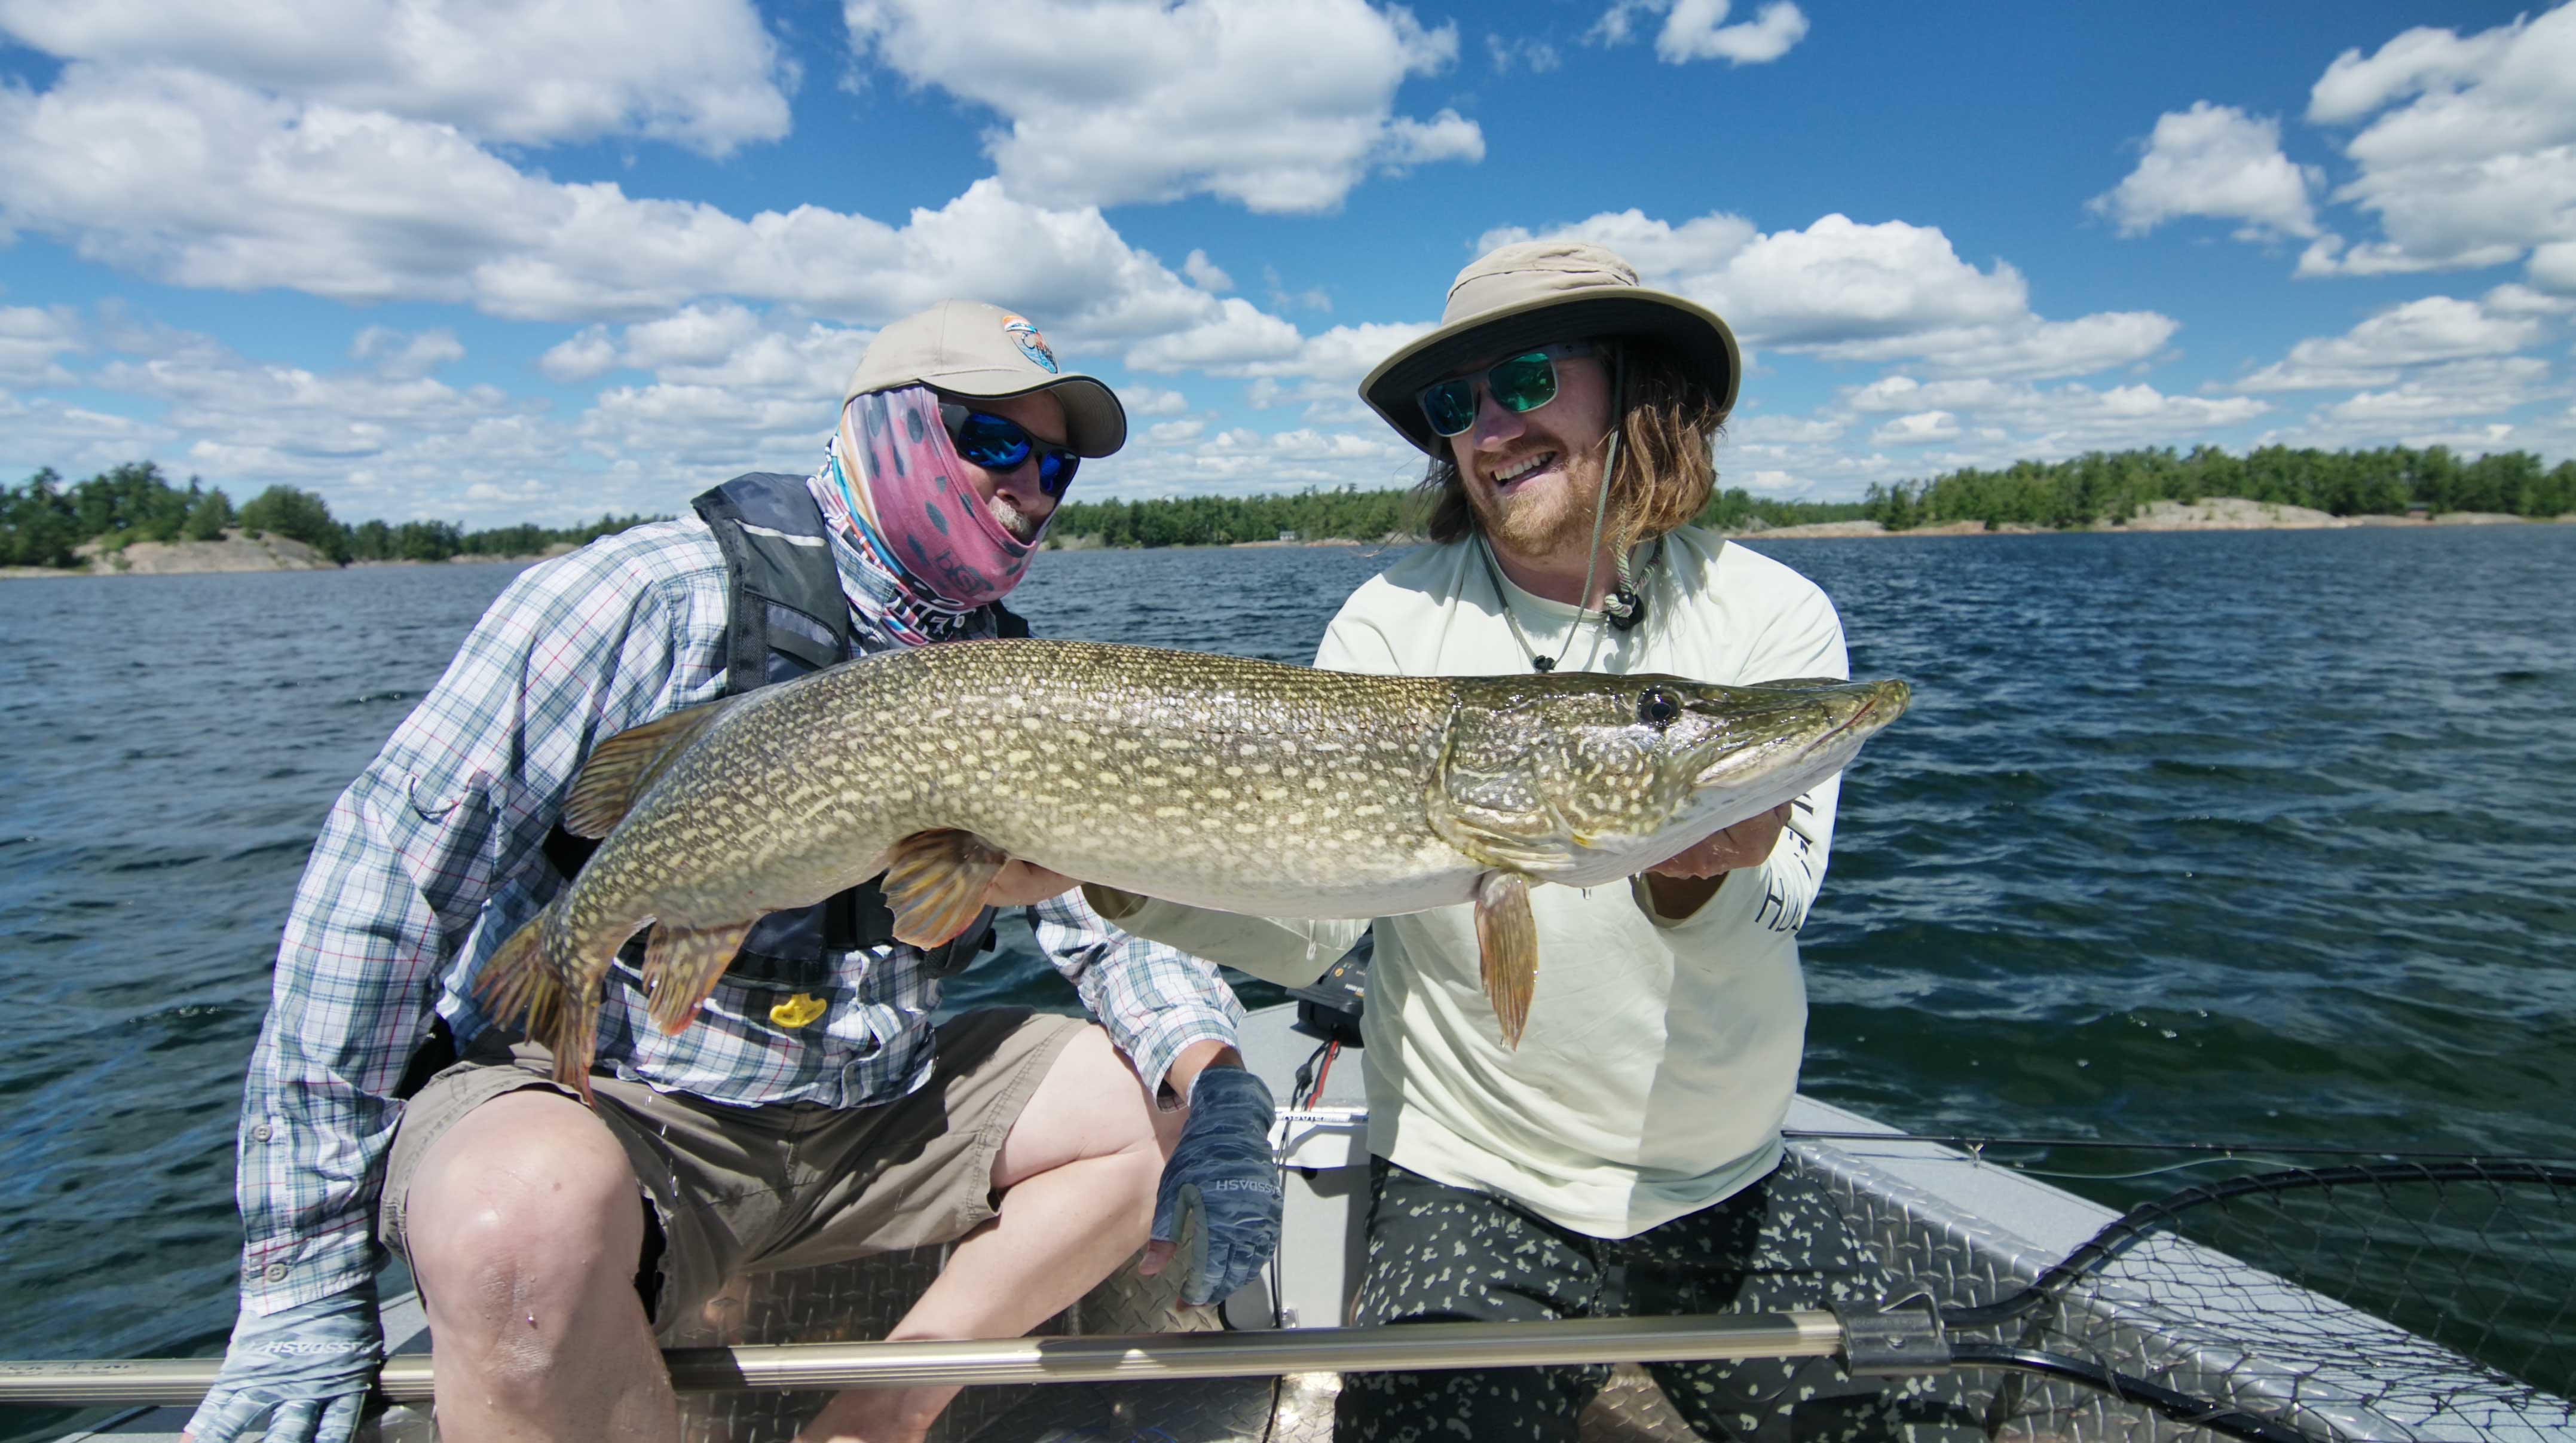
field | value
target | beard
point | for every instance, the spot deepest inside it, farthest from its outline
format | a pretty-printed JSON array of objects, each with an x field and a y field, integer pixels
[
  {"x": 1020, "y": 524},
  {"x": 1542, "y": 523}
]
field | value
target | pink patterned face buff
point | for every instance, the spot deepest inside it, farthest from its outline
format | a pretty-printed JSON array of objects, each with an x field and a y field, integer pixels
[{"x": 914, "y": 490}]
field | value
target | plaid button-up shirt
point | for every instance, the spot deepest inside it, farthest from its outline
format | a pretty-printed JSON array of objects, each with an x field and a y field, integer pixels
[{"x": 433, "y": 857}]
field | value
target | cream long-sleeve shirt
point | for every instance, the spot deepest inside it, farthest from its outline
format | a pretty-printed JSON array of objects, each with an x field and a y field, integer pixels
[{"x": 1661, "y": 1054}]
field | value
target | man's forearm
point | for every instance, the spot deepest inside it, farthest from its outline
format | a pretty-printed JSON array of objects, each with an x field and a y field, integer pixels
[{"x": 1184, "y": 1072}]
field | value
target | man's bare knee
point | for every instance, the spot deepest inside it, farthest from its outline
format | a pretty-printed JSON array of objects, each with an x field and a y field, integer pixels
[{"x": 523, "y": 1214}]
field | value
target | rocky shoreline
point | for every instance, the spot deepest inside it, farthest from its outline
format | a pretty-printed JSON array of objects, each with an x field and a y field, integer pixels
[
  {"x": 2219, "y": 513},
  {"x": 236, "y": 552}
]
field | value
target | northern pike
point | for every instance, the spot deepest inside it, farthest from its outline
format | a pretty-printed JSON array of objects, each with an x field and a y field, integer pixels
[{"x": 1215, "y": 781}]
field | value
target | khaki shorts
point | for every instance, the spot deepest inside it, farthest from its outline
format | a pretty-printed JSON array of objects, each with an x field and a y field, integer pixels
[{"x": 793, "y": 1185}]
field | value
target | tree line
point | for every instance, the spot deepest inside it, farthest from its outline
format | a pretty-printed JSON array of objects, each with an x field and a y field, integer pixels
[
  {"x": 1347, "y": 514},
  {"x": 2089, "y": 490},
  {"x": 45, "y": 521},
  {"x": 2101, "y": 487}
]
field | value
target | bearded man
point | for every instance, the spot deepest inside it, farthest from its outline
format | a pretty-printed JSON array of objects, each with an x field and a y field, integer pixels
[
  {"x": 1625, "y": 1157},
  {"x": 811, "y": 1112}
]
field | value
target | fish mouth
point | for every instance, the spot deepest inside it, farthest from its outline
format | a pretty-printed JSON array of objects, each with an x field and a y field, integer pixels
[
  {"x": 1886, "y": 701},
  {"x": 1854, "y": 712}
]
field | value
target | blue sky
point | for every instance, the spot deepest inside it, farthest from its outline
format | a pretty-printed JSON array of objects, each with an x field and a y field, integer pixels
[{"x": 496, "y": 262}]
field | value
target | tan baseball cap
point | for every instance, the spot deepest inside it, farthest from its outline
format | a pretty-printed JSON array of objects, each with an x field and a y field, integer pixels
[
  {"x": 967, "y": 348},
  {"x": 1534, "y": 293}
]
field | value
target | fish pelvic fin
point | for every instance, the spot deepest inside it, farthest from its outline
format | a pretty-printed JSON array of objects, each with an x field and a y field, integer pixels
[
  {"x": 626, "y": 765},
  {"x": 681, "y": 966},
  {"x": 1507, "y": 949},
  {"x": 526, "y": 985},
  {"x": 935, "y": 884}
]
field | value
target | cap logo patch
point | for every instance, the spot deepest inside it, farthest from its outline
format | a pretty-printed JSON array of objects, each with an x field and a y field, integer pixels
[{"x": 1031, "y": 344}]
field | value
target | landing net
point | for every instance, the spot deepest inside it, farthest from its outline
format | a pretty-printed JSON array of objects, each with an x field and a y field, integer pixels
[{"x": 2393, "y": 1301}]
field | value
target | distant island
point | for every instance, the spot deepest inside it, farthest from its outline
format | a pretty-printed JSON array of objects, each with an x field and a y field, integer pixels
[{"x": 132, "y": 521}]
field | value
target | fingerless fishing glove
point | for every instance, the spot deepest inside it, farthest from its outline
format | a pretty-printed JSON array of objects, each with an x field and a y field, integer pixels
[
  {"x": 306, "y": 1369},
  {"x": 1223, "y": 1169}
]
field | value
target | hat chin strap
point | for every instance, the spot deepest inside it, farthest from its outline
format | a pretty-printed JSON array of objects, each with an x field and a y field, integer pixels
[
  {"x": 1623, "y": 608},
  {"x": 1623, "y": 605}
]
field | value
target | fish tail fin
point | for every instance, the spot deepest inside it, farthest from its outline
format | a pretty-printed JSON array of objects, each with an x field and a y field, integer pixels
[
  {"x": 516, "y": 985},
  {"x": 526, "y": 984}
]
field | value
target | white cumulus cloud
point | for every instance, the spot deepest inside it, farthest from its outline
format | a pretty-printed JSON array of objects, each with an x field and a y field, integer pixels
[
  {"x": 1205, "y": 274},
  {"x": 1845, "y": 290},
  {"x": 404, "y": 355},
  {"x": 700, "y": 73},
  {"x": 2433, "y": 328},
  {"x": 374, "y": 442},
  {"x": 1697, "y": 30},
  {"x": 2468, "y": 157},
  {"x": 1917, "y": 428},
  {"x": 2460, "y": 388},
  {"x": 32, "y": 338},
  {"x": 199, "y": 182},
  {"x": 2215, "y": 161},
  {"x": 1283, "y": 108}
]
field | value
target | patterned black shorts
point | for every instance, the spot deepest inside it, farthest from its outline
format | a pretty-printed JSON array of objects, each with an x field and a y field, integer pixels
[{"x": 1439, "y": 1254}]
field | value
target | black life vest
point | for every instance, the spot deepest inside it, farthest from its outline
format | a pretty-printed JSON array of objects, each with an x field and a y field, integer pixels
[{"x": 786, "y": 616}]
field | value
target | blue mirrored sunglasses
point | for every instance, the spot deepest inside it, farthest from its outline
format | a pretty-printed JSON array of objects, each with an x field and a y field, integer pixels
[
  {"x": 998, "y": 443},
  {"x": 1521, "y": 383}
]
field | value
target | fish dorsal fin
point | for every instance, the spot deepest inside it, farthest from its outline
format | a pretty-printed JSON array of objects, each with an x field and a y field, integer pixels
[
  {"x": 622, "y": 767},
  {"x": 681, "y": 965},
  {"x": 1507, "y": 949},
  {"x": 935, "y": 884}
]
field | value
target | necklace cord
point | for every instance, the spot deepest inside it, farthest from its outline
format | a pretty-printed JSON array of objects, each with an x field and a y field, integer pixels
[{"x": 1621, "y": 604}]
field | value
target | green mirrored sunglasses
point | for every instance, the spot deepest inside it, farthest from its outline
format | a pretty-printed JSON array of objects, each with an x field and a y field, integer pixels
[{"x": 1521, "y": 383}]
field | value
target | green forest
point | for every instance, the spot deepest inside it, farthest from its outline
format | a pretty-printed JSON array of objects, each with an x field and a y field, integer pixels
[
  {"x": 43, "y": 522},
  {"x": 1346, "y": 515},
  {"x": 2099, "y": 487}
]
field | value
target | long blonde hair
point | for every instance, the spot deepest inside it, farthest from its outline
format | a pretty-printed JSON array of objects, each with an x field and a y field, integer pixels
[{"x": 1667, "y": 464}]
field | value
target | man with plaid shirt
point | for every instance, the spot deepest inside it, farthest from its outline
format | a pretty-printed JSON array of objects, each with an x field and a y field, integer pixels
[{"x": 811, "y": 1112}]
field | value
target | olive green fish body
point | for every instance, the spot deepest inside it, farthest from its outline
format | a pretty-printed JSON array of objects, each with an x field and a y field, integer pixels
[{"x": 1210, "y": 780}]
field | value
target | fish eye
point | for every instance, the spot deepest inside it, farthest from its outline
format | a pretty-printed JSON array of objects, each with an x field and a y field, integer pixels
[{"x": 1658, "y": 707}]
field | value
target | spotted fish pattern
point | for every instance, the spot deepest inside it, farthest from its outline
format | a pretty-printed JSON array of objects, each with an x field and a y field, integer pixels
[
  {"x": 1440, "y": 1254},
  {"x": 1208, "y": 780}
]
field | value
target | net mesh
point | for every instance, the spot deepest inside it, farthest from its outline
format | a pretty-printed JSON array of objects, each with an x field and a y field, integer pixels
[{"x": 2387, "y": 1302}]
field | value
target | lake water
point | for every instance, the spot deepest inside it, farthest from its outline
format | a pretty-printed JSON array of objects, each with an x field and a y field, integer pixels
[{"x": 2230, "y": 836}]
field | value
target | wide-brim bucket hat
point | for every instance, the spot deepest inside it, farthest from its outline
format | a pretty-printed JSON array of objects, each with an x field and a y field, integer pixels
[
  {"x": 967, "y": 348},
  {"x": 1536, "y": 292}
]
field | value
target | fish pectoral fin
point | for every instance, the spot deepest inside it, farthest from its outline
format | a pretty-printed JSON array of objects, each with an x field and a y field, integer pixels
[
  {"x": 681, "y": 965},
  {"x": 1507, "y": 949},
  {"x": 621, "y": 768},
  {"x": 935, "y": 884}
]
